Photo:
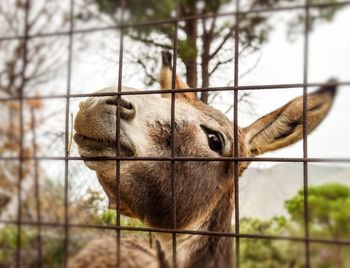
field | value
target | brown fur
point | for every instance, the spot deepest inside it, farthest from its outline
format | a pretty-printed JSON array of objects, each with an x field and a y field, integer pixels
[
  {"x": 285, "y": 125},
  {"x": 101, "y": 253},
  {"x": 204, "y": 189}
]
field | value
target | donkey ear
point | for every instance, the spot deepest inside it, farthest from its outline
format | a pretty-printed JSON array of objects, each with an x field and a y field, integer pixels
[
  {"x": 284, "y": 126},
  {"x": 166, "y": 76}
]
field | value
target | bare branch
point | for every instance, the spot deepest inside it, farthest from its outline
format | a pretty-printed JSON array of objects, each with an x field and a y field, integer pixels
[
  {"x": 149, "y": 42},
  {"x": 246, "y": 99},
  {"x": 224, "y": 40},
  {"x": 251, "y": 68},
  {"x": 9, "y": 19},
  {"x": 153, "y": 79},
  {"x": 99, "y": 16},
  {"x": 212, "y": 26},
  {"x": 219, "y": 63}
]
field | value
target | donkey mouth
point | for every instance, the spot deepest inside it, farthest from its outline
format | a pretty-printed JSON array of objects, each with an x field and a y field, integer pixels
[{"x": 93, "y": 147}]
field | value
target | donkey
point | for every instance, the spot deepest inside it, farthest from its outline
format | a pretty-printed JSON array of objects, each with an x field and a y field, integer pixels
[{"x": 204, "y": 189}]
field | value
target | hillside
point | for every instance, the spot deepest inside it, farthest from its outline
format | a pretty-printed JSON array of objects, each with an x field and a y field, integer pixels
[{"x": 263, "y": 191}]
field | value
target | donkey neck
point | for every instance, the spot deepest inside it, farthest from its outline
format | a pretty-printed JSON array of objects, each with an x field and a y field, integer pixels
[{"x": 202, "y": 250}]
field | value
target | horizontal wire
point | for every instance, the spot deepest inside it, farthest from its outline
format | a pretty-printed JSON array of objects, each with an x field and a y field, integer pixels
[
  {"x": 177, "y": 19},
  {"x": 179, "y": 159},
  {"x": 161, "y": 91},
  {"x": 182, "y": 231}
]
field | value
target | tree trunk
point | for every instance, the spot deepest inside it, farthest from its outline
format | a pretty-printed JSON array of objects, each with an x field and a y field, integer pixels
[
  {"x": 190, "y": 59},
  {"x": 207, "y": 38},
  {"x": 205, "y": 65},
  {"x": 191, "y": 72}
]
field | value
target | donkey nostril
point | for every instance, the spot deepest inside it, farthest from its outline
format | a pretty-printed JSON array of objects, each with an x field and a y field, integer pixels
[
  {"x": 127, "y": 109},
  {"x": 111, "y": 100},
  {"x": 123, "y": 103},
  {"x": 128, "y": 106}
]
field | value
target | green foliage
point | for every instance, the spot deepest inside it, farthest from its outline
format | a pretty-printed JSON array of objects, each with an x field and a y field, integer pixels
[
  {"x": 141, "y": 9},
  {"x": 145, "y": 10},
  {"x": 54, "y": 253},
  {"x": 199, "y": 38},
  {"x": 329, "y": 213},
  {"x": 204, "y": 41},
  {"x": 187, "y": 50},
  {"x": 256, "y": 253},
  {"x": 152, "y": 10},
  {"x": 8, "y": 241},
  {"x": 108, "y": 217},
  {"x": 329, "y": 217}
]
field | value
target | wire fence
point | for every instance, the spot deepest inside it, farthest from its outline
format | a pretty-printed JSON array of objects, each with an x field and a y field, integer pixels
[{"x": 236, "y": 158}]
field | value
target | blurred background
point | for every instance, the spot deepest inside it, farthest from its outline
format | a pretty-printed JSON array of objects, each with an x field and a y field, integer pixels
[{"x": 271, "y": 51}]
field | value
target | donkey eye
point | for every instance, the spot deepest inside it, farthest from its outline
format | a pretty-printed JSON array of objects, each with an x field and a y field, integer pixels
[{"x": 215, "y": 140}]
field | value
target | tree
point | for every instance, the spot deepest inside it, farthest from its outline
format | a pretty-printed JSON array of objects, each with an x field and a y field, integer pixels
[
  {"x": 265, "y": 252},
  {"x": 329, "y": 212},
  {"x": 208, "y": 42},
  {"x": 329, "y": 216},
  {"x": 25, "y": 66}
]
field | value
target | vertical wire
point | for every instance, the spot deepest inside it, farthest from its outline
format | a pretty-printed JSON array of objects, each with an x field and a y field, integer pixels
[
  {"x": 235, "y": 129},
  {"x": 36, "y": 190},
  {"x": 305, "y": 131},
  {"x": 21, "y": 137},
  {"x": 172, "y": 134},
  {"x": 66, "y": 141},
  {"x": 120, "y": 74}
]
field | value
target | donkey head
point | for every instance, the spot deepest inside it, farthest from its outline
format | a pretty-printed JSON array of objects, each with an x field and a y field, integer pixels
[{"x": 199, "y": 131}]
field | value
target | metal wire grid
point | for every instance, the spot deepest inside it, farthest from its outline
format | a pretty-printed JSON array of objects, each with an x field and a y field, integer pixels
[
  {"x": 172, "y": 133},
  {"x": 305, "y": 131},
  {"x": 235, "y": 137},
  {"x": 173, "y": 159}
]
